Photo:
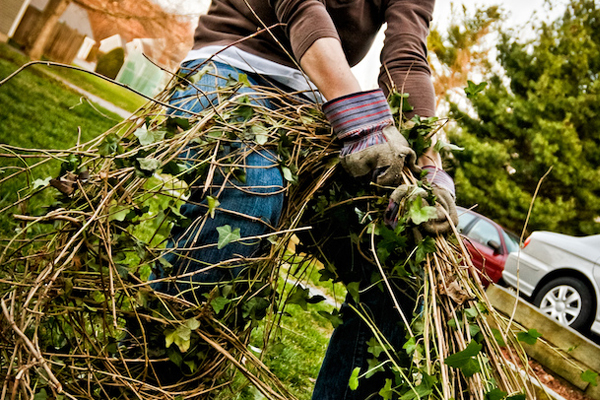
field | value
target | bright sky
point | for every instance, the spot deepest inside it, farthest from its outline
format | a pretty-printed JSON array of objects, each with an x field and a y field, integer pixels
[
  {"x": 519, "y": 13},
  {"x": 521, "y": 10}
]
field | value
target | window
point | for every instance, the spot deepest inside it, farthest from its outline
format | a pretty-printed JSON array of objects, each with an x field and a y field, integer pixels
[
  {"x": 512, "y": 242},
  {"x": 483, "y": 231},
  {"x": 464, "y": 219}
]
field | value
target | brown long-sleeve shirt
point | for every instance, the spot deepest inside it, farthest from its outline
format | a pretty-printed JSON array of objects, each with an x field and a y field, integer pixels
[{"x": 294, "y": 25}]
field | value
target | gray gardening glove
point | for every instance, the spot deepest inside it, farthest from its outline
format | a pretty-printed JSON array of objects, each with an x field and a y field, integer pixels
[
  {"x": 372, "y": 146},
  {"x": 443, "y": 189}
]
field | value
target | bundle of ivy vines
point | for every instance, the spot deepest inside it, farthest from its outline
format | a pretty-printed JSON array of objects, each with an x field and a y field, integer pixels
[{"x": 79, "y": 316}]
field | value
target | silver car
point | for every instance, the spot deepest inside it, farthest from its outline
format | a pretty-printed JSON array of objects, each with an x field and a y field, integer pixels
[{"x": 560, "y": 274}]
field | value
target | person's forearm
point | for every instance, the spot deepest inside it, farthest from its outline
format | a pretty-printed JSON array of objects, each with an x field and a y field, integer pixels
[{"x": 325, "y": 64}]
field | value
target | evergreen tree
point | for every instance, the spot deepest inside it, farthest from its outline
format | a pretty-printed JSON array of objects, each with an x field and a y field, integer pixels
[{"x": 543, "y": 112}]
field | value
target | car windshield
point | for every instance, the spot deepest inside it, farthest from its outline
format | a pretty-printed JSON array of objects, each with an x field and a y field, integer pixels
[{"x": 512, "y": 241}]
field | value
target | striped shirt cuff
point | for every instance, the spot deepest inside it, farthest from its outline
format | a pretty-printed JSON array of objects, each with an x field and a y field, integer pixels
[
  {"x": 439, "y": 177},
  {"x": 358, "y": 114}
]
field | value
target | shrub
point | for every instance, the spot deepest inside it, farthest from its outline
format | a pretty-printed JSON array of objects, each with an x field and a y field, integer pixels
[{"x": 110, "y": 63}]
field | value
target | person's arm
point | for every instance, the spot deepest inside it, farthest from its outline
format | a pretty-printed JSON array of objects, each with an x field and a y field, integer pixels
[
  {"x": 371, "y": 146},
  {"x": 405, "y": 67},
  {"x": 325, "y": 64}
]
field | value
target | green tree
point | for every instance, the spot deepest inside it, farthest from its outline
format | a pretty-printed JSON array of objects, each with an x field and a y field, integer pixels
[{"x": 541, "y": 112}]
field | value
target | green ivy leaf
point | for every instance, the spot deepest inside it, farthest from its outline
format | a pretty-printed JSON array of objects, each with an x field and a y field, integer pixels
[
  {"x": 173, "y": 168},
  {"x": 109, "y": 145},
  {"x": 38, "y": 183},
  {"x": 352, "y": 288},
  {"x": 147, "y": 137},
  {"x": 399, "y": 102},
  {"x": 328, "y": 272},
  {"x": 375, "y": 366},
  {"x": 353, "y": 384},
  {"x": 117, "y": 213},
  {"x": 71, "y": 163},
  {"x": 471, "y": 313},
  {"x": 212, "y": 205},
  {"x": 375, "y": 347},
  {"x": 495, "y": 394},
  {"x": 529, "y": 337},
  {"x": 173, "y": 123},
  {"x": 299, "y": 296},
  {"x": 411, "y": 345},
  {"x": 520, "y": 396},
  {"x": 441, "y": 145},
  {"x": 191, "y": 365},
  {"x": 425, "y": 246},
  {"x": 386, "y": 391},
  {"x": 41, "y": 395},
  {"x": 466, "y": 360},
  {"x": 333, "y": 317},
  {"x": 195, "y": 77},
  {"x": 255, "y": 308},
  {"x": 423, "y": 390},
  {"x": 226, "y": 236},
  {"x": 122, "y": 270},
  {"x": 180, "y": 336},
  {"x": 192, "y": 323},
  {"x": 175, "y": 356},
  {"x": 474, "y": 330},
  {"x": 145, "y": 271},
  {"x": 420, "y": 392},
  {"x": 288, "y": 175},
  {"x": 452, "y": 323},
  {"x": 498, "y": 336},
  {"x": 261, "y": 134},
  {"x": 590, "y": 376},
  {"x": 419, "y": 214},
  {"x": 244, "y": 110},
  {"x": 219, "y": 303},
  {"x": 148, "y": 165},
  {"x": 243, "y": 79}
]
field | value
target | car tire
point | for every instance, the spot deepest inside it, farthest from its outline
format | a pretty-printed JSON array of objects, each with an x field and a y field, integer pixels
[{"x": 567, "y": 300}]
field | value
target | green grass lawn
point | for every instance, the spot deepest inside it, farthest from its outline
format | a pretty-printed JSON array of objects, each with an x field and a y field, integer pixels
[
  {"x": 117, "y": 95},
  {"x": 120, "y": 97},
  {"x": 37, "y": 112}
]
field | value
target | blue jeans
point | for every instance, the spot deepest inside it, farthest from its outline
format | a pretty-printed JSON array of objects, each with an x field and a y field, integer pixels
[{"x": 254, "y": 206}]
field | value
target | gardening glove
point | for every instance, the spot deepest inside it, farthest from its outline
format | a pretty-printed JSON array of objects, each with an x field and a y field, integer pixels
[
  {"x": 442, "y": 187},
  {"x": 372, "y": 146}
]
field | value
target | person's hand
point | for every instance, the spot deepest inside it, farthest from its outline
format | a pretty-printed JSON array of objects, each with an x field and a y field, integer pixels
[
  {"x": 372, "y": 146},
  {"x": 442, "y": 188}
]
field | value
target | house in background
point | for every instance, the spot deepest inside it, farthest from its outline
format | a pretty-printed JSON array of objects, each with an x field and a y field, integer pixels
[
  {"x": 111, "y": 43},
  {"x": 10, "y": 17},
  {"x": 92, "y": 28},
  {"x": 67, "y": 36},
  {"x": 138, "y": 71}
]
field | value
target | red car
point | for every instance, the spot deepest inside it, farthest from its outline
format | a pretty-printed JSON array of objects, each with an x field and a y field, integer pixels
[{"x": 488, "y": 243}]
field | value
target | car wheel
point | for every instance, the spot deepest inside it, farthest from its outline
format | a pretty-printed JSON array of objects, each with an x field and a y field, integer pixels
[{"x": 567, "y": 300}]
